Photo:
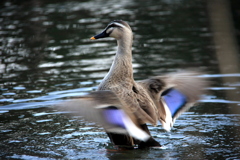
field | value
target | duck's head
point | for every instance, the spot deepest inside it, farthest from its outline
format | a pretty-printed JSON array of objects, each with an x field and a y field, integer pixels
[{"x": 115, "y": 29}]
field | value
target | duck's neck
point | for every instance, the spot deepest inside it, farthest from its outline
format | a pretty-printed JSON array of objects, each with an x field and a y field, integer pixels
[{"x": 121, "y": 69}]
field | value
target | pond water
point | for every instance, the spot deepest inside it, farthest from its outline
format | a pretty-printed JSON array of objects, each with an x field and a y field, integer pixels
[{"x": 47, "y": 57}]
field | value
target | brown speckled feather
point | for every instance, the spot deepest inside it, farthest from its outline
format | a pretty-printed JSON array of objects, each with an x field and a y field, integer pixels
[{"x": 189, "y": 83}]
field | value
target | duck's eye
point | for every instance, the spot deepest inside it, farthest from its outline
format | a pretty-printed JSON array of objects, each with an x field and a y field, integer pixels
[{"x": 112, "y": 25}]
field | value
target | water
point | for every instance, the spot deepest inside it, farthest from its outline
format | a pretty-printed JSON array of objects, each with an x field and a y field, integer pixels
[{"x": 46, "y": 57}]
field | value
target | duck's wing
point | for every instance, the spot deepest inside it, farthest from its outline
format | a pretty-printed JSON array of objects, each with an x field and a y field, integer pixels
[
  {"x": 105, "y": 108},
  {"x": 174, "y": 93}
]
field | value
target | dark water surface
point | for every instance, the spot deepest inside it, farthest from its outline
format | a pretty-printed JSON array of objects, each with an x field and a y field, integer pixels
[{"x": 46, "y": 57}]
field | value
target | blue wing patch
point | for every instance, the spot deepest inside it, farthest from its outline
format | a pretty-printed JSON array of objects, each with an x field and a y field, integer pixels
[
  {"x": 175, "y": 100},
  {"x": 114, "y": 116}
]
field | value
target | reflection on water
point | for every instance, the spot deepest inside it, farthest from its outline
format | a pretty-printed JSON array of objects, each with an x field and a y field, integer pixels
[
  {"x": 46, "y": 57},
  {"x": 41, "y": 133}
]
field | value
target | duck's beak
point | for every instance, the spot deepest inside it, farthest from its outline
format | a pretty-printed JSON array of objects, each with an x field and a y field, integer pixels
[{"x": 101, "y": 35}]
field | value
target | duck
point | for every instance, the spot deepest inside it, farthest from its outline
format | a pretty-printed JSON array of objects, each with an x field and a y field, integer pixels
[{"x": 125, "y": 107}]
